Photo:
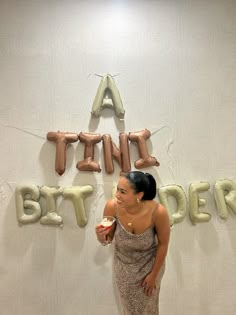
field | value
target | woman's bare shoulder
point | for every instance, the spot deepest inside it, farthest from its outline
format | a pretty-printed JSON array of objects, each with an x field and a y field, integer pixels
[
  {"x": 111, "y": 203},
  {"x": 110, "y": 207},
  {"x": 160, "y": 211}
]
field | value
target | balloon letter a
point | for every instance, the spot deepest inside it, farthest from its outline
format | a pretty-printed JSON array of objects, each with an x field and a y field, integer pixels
[{"x": 108, "y": 96}]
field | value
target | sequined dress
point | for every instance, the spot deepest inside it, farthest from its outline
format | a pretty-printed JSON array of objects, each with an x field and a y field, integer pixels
[{"x": 134, "y": 256}]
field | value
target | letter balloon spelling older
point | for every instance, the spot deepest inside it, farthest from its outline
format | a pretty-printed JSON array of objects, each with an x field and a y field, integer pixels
[{"x": 141, "y": 232}]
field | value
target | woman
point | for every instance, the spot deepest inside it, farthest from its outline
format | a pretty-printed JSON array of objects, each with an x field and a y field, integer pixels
[{"x": 141, "y": 234}]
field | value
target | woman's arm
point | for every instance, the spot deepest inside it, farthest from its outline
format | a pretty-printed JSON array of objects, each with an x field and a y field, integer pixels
[{"x": 162, "y": 225}]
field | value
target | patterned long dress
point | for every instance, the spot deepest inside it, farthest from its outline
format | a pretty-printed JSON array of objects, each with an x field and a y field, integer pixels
[{"x": 134, "y": 256}]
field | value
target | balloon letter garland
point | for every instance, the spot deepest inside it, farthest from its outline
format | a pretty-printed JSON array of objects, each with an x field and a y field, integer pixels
[
  {"x": 27, "y": 197},
  {"x": 28, "y": 209},
  {"x": 61, "y": 139},
  {"x": 110, "y": 150},
  {"x": 77, "y": 194},
  {"x": 178, "y": 193},
  {"x": 140, "y": 138},
  {"x": 121, "y": 155},
  {"x": 195, "y": 202},
  {"x": 225, "y": 195},
  {"x": 108, "y": 96},
  {"x": 88, "y": 164}
]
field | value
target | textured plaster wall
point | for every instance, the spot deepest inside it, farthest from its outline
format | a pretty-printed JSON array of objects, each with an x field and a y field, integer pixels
[{"x": 176, "y": 64}]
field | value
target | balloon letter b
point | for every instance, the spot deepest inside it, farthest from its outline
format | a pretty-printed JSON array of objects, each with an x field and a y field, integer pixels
[{"x": 27, "y": 197}]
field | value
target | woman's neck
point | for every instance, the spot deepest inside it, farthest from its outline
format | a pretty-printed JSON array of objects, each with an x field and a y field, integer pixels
[{"x": 135, "y": 209}]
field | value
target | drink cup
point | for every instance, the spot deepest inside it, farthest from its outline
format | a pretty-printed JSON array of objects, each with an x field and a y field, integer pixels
[{"x": 107, "y": 222}]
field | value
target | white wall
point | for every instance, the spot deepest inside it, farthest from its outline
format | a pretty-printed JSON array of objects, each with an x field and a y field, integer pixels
[{"x": 176, "y": 64}]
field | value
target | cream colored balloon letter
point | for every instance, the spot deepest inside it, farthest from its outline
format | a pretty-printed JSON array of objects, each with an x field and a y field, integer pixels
[
  {"x": 225, "y": 195},
  {"x": 28, "y": 209},
  {"x": 108, "y": 96},
  {"x": 178, "y": 193},
  {"x": 195, "y": 202},
  {"x": 77, "y": 194},
  {"x": 51, "y": 194}
]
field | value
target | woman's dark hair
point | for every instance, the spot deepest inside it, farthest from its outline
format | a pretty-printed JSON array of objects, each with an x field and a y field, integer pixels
[{"x": 142, "y": 182}]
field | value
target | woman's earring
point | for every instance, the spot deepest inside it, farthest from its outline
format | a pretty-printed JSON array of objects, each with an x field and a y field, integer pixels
[{"x": 138, "y": 201}]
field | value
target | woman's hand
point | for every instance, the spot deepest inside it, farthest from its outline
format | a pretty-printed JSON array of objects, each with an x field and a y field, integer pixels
[
  {"x": 149, "y": 284},
  {"x": 102, "y": 233}
]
